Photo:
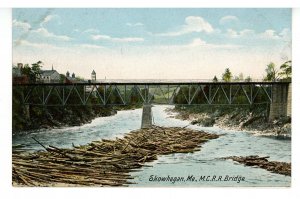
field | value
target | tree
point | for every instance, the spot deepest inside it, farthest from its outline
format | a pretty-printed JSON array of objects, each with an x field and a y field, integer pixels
[
  {"x": 36, "y": 69},
  {"x": 227, "y": 76},
  {"x": 240, "y": 77},
  {"x": 215, "y": 79},
  {"x": 62, "y": 78},
  {"x": 286, "y": 70},
  {"x": 26, "y": 70},
  {"x": 248, "y": 79},
  {"x": 272, "y": 72}
]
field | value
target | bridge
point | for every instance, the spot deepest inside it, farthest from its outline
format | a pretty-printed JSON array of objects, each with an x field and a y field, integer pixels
[{"x": 172, "y": 92}]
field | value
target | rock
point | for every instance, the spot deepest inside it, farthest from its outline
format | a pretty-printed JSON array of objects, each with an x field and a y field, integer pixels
[{"x": 205, "y": 122}]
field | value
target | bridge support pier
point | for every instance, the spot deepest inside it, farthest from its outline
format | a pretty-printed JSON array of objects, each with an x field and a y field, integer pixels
[
  {"x": 147, "y": 116},
  {"x": 281, "y": 101}
]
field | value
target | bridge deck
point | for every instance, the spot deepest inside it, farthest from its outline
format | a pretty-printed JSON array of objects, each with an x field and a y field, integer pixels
[{"x": 159, "y": 82}]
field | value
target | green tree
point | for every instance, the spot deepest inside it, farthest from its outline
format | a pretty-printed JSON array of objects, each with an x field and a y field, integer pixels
[
  {"x": 215, "y": 79},
  {"x": 36, "y": 69},
  {"x": 227, "y": 75},
  {"x": 62, "y": 78},
  {"x": 248, "y": 79},
  {"x": 286, "y": 70},
  {"x": 272, "y": 72},
  {"x": 26, "y": 70}
]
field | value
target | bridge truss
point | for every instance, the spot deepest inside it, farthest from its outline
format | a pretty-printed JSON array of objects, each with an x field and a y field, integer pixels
[{"x": 105, "y": 94}]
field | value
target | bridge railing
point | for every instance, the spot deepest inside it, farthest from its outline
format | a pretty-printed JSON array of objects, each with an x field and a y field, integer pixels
[{"x": 121, "y": 93}]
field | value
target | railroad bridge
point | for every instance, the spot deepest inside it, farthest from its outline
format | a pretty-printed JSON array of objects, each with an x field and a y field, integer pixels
[{"x": 147, "y": 92}]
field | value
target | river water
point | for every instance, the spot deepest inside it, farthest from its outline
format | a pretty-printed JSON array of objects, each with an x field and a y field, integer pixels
[{"x": 201, "y": 163}]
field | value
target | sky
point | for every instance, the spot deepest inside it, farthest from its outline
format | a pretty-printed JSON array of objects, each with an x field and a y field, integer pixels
[{"x": 153, "y": 43}]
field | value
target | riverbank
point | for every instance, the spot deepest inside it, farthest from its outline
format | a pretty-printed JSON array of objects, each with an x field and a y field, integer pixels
[
  {"x": 105, "y": 162},
  {"x": 254, "y": 120},
  {"x": 38, "y": 118}
]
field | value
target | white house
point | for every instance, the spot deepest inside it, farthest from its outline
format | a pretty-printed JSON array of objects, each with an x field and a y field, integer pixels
[{"x": 49, "y": 76}]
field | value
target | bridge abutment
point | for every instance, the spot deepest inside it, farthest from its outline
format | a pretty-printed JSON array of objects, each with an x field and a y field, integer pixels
[
  {"x": 289, "y": 101},
  {"x": 147, "y": 116},
  {"x": 281, "y": 101}
]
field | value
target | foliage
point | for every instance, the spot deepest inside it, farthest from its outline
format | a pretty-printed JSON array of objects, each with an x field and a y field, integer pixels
[
  {"x": 215, "y": 79},
  {"x": 36, "y": 69},
  {"x": 272, "y": 72},
  {"x": 32, "y": 72},
  {"x": 227, "y": 75},
  {"x": 62, "y": 78},
  {"x": 248, "y": 79},
  {"x": 286, "y": 70},
  {"x": 240, "y": 77}
]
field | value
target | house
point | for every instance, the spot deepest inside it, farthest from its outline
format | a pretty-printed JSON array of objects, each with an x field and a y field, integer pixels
[
  {"x": 16, "y": 70},
  {"x": 72, "y": 79},
  {"x": 49, "y": 76},
  {"x": 17, "y": 76}
]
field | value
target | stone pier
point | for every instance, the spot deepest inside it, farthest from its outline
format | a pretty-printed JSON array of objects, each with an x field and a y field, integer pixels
[
  {"x": 289, "y": 101},
  {"x": 281, "y": 101},
  {"x": 147, "y": 116}
]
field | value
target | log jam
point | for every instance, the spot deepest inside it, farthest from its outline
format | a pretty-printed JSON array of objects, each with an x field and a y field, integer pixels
[
  {"x": 105, "y": 162},
  {"x": 282, "y": 168}
]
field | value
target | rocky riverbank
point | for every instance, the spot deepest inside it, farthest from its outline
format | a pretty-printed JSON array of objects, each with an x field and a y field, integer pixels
[
  {"x": 57, "y": 117},
  {"x": 105, "y": 162},
  {"x": 240, "y": 118},
  {"x": 34, "y": 117}
]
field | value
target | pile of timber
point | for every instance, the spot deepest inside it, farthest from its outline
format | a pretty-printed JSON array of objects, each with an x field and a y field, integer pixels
[
  {"x": 105, "y": 162},
  {"x": 282, "y": 168}
]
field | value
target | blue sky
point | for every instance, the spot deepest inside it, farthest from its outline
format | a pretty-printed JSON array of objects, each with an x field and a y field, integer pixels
[{"x": 153, "y": 43}]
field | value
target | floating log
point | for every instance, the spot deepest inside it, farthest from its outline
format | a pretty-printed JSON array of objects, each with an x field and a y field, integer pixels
[
  {"x": 104, "y": 162},
  {"x": 282, "y": 168}
]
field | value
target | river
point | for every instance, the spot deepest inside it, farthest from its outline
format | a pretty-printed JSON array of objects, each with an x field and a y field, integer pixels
[{"x": 201, "y": 163}]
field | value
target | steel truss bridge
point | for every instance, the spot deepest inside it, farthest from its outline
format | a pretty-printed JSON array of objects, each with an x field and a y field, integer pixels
[{"x": 162, "y": 92}]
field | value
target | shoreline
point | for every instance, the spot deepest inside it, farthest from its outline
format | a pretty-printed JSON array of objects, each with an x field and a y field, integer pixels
[
  {"x": 72, "y": 120},
  {"x": 226, "y": 122}
]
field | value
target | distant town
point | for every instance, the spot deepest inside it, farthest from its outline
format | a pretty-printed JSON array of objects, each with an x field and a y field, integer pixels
[{"x": 23, "y": 74}]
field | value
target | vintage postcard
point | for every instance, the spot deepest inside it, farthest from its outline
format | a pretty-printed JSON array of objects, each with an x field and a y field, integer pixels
[{"x": 148, "y": 97}]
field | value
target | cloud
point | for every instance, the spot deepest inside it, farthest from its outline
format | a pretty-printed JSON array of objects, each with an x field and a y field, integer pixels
[
  {"x": 45, "y": 33},
  {"x": 286, "y": 34},
  {"x": 92, "y": 46},
  {"x": 238, "y": 34},
  {"x": 232, "y": 33},
  {"x": 22, "y": 25},
  {"x": 34, "y": 45},
  {"x": 116, "y": 39},
  {"x": 91, "y": 30},
  {"x": 198, "y": 43},
  {"x": 228, "y": 19},
  {"x": 26, "y": 43},
  {"x": 269, "y": 34},
  {"x": 192, "y": 24},
  {"x": 47, "y": 19},
  {"x": 134, "y": 24}
]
